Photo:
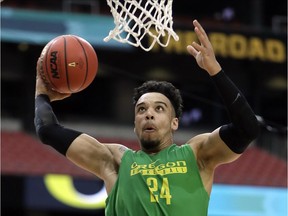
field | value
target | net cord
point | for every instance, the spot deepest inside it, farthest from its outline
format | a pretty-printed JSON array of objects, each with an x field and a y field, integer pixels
[{"x": 132, "y": 29}]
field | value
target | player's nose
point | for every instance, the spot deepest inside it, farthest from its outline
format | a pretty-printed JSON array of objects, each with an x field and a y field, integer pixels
[{"x": 149, "y": 114}]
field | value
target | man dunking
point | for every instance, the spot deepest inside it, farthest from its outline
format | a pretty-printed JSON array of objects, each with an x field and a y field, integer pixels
[{"x": 162, "y": 178}]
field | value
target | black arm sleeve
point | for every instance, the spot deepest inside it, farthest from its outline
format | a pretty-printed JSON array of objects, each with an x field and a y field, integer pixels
[
  {"x": 244, "y": 127},
  {"x": 48, "y": 129}
]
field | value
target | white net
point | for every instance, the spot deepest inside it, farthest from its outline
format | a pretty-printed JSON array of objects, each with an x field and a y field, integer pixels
[{"x": 142, "y": 23}]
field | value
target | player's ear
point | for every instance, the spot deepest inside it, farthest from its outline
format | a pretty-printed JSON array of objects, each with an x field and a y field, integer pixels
[{"x": 175, "y": 124}]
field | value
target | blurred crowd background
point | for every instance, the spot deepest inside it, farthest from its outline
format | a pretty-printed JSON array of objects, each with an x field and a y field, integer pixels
[{"x": 250, "y": 44}]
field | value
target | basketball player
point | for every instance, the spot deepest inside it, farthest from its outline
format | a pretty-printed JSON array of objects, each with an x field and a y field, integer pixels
[{"x": 162, "y": 178}]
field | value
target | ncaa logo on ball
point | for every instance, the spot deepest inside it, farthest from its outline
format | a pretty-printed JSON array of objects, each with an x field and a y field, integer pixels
[{"x": 53, "y": 65}]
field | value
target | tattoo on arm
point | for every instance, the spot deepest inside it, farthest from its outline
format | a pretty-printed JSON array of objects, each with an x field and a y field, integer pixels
[{"x": 122, "y": 149}]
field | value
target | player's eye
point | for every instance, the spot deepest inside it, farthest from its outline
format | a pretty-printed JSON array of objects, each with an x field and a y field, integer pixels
[
  {"x": 141, "y": 109},
  {"x": 159, "y": 108}
]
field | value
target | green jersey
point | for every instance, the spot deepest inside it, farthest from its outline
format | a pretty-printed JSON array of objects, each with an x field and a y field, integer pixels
[{"x": 166, "y": 183}]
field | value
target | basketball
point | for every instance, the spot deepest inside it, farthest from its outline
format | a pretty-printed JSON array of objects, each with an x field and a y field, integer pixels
[{"x": 69, "y": 64}]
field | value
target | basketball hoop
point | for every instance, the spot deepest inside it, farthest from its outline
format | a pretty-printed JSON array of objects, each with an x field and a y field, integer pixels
[{"x": 138, "y": 19}]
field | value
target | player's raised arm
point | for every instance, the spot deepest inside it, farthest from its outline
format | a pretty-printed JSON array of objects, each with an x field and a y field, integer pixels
[
  {"x": 82, "y": 149},
  {"x": 244, "y": 126}
]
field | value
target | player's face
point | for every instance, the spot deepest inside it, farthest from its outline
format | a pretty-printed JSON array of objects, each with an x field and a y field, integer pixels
[{"x": 155, "y": 121}]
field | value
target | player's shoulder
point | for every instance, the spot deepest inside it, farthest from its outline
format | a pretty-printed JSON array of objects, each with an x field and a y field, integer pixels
[
  {"x": 197, "y": 141},
  {"x": 117, "y": 150},
  {"x": 199, "y": 138}
]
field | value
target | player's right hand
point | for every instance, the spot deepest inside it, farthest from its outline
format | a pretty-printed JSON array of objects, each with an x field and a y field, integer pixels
[{"x": 43, "y": 87}]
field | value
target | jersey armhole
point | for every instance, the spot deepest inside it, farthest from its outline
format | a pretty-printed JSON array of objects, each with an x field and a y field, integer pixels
[
  {"x": 114, "y": 186},
  {"x": 195, "y": 165}
]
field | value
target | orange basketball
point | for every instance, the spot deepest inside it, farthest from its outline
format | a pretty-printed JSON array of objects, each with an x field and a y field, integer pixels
[{"x": 69, "y": 64}]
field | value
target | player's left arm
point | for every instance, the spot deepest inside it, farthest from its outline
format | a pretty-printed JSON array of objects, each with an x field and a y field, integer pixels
[
  {"x": 229, "y": 141},
  {"x": 226, "y": 143}
]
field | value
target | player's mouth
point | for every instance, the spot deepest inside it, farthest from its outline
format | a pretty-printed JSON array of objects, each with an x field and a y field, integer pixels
[{"x": 149, "y": 128}]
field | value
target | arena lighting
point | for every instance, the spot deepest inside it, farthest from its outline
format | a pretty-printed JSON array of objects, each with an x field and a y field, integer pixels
[{"x": 61, "y": 187}]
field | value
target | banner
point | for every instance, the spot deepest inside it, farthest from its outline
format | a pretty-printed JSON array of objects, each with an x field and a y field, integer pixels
[{"x": 234, "y": 45}]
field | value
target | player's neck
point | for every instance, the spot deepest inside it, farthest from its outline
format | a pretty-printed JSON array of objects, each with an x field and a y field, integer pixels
[{"x": 156, "y": 149}]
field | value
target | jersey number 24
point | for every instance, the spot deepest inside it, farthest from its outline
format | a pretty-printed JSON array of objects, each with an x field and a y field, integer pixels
[{"x": 154, "y": 188}]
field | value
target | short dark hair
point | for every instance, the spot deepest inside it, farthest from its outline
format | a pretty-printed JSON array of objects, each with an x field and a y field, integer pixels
[{"x": 163, "y": 87}]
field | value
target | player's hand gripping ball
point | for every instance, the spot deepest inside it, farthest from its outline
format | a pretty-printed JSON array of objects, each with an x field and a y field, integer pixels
[{"x": 69, "y": 64}]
